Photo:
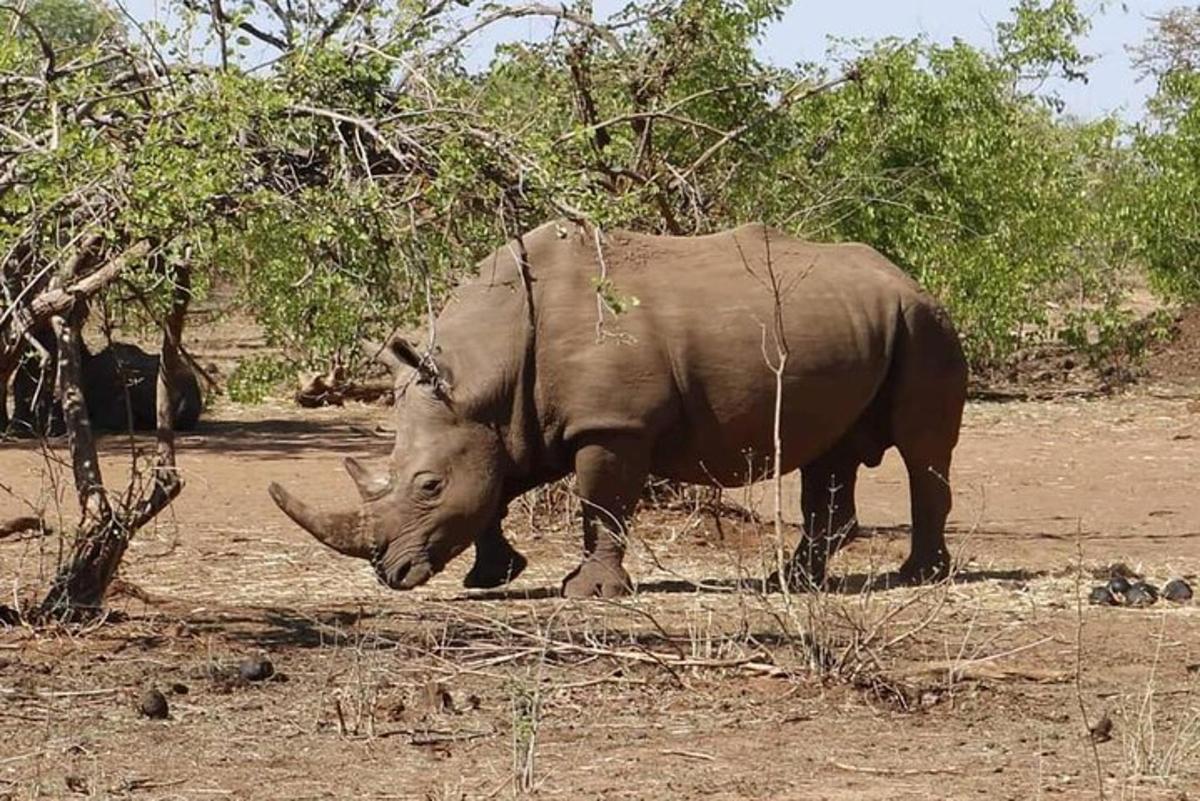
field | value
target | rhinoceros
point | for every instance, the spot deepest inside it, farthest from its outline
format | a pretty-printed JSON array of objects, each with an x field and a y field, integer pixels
[
  {"x": 531, "y": 375},
  {"x": 120, "y": 385}
]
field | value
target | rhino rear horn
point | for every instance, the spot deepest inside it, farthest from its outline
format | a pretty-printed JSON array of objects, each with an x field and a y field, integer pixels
[
  {"x": 382, "y": 354},
  {"x": 345, "y": 532},
  {"x": 369, "y": 485}
]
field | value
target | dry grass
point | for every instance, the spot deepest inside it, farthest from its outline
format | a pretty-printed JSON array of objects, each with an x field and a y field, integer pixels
[{"x": 700, "y": 684}]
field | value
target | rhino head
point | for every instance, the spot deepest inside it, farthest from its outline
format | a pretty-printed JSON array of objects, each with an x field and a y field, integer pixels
[{"x": 440, "y": 488}]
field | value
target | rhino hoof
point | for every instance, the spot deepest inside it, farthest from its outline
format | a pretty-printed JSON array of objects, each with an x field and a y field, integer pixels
[
  {"x": 925, "y": 571},
  {"x": 488, "y": 575},
  {"x": 799, "y": 579},
  {"x": 596, "y": 580}
]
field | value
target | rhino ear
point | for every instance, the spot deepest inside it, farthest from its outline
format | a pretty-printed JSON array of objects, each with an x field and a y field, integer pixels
[
  {"x": 392, "y": 355},
  {"x": 399, "y": 353}
]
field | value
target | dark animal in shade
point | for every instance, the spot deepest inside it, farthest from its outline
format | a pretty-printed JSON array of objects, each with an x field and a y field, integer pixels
[
  {"x": 531, "y": 379},
  {"x": 120, "y": 385}
]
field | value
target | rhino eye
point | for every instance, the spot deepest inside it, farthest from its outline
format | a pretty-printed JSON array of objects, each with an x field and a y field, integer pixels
[{"x": 429, "y": 485}]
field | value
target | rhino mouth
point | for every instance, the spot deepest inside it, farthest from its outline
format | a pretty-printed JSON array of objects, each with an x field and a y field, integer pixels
[
  {"x": 405, "y": 570},
  {"x": 407, "y": 576},
  {"x": 393, "y": 579},
  {"x": 400, "y": 571}
]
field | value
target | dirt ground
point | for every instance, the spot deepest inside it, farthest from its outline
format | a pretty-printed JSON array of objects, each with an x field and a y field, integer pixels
[{"x": 697, "y": 686}]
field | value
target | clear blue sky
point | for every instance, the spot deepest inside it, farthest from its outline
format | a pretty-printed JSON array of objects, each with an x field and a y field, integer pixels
[
  {"x": 801, "y": 36},
  {"x": 1112, "y": 85}
]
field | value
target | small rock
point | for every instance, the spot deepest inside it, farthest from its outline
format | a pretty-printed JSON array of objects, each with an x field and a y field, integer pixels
[
  {"x": 1118, "y": 585},
  {"x": 77, "y": 784},
  {"x": 256, "y": 668},
  {"x": 179, "y": 689},
  {"x": 393, "y": 709},
  {"x": 436, "y": 697},
  {"x": 153, "y": 705},
  {"x": 1177, "y": 590},
  {"x": 1102, "y": 731},
  {"x": 1101, "y": 596},
  {"x": 1141, "y": 595}
]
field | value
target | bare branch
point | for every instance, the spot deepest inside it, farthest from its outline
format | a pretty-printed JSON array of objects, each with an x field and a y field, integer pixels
[
  {"x": 343, "y": 17},
  {"x": 215, "y": 11},
  {"x": 51, "y": 71},
  {"x": 799, "y": 92},
  {"x": 530, "y": 10},
  {"x": 367, "y": 127},
  {"x": 59, "y": 301}
]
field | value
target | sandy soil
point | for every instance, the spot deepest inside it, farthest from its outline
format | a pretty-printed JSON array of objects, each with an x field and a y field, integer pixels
[
  {"x": 695, "y": 687},
  {"x": 679, "y": 692}
]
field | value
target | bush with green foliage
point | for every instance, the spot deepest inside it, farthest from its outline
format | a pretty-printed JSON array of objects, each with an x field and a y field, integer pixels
[
  {"x": 257, "y": 377},
  {"x": 347, "y": 184}
]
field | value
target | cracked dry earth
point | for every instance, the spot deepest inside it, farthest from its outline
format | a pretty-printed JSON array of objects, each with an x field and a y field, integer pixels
[{"x": 698, "y": 686}]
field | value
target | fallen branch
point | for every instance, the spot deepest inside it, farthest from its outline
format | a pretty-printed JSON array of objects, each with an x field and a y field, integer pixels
[
  {"x": 980, "y": 671},
  {"x": 984, "y": 668},
  {"x": 892, "y": 771},
  {"x": 688, "y": 754}
]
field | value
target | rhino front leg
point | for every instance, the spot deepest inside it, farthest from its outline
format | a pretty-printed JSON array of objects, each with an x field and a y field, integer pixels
[
  {"x": 610, "y": 474},
  {"x": 827, "y": 486},
  {"x": 496, "y": 562}
]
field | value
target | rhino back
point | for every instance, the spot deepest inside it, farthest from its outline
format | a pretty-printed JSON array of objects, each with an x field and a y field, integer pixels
[{"x": 688, "y": 366}]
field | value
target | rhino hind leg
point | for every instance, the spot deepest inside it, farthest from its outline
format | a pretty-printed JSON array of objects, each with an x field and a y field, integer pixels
[
  {"x": 928, "y": 468},
  {"x": 496, "y": 562},
  {"x": 610, "y": 474},
  {"x": 926, "y": 416}
]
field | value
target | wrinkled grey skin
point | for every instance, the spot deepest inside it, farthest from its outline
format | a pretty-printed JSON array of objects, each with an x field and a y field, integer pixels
[
  {"x": 523, "y": 387},
  {"x": 120, "y": 384}
]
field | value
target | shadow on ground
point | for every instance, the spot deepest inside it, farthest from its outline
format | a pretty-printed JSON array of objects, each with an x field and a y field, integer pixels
[{"x": 850, "y": 584}]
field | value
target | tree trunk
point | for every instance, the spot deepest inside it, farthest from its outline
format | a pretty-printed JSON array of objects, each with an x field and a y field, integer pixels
[
  {"x": 83, "y": 579},
  {"x": 3, "y": 403}
]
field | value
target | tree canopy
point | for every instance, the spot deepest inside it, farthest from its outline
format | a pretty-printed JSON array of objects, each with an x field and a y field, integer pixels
[{"x": 342, "y": 168}]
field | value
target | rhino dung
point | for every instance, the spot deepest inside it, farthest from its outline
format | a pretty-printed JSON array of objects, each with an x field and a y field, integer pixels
[
  {"x": 1141, "y": 595},
  {"x": 256, "y": 668},
  {"x": 153, "y": 705},
  {"x": 1101, "y": 596},
  {"x": 1177, "y": 590}
]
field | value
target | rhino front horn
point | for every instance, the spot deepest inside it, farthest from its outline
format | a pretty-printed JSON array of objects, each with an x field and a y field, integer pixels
[{"x": 345, "y": 532}]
